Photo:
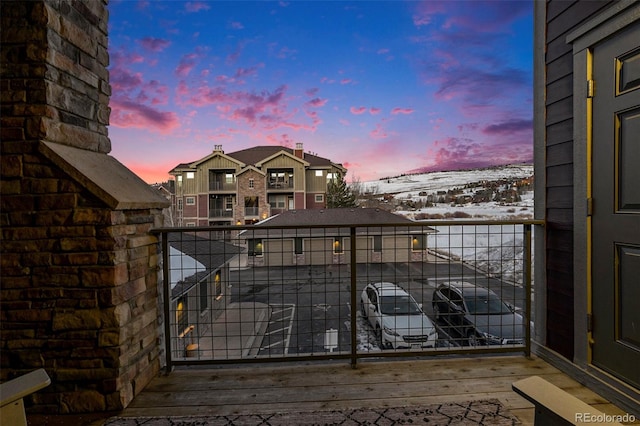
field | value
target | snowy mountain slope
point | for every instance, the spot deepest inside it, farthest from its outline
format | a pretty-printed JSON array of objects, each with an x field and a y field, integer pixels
[{"x": 443, "y": 181}]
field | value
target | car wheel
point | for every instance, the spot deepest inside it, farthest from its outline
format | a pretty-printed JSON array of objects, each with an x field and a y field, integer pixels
[
  {"x": 362, "y": 310},
  {"x": 473, "y": 339}
]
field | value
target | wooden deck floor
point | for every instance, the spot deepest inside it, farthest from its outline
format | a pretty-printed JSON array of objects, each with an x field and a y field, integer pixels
[{"x": 312, "y": 386}]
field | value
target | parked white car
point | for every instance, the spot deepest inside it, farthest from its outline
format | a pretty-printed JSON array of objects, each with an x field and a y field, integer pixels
[{"x": 396, "y": 317}]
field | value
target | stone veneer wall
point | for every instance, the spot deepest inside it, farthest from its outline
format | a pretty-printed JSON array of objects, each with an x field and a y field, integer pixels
[{"x": 78, "y": 292}]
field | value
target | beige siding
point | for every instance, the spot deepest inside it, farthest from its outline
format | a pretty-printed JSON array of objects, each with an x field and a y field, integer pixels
[
  {"x": 285, "y": 162},
  {"x": 189, "y": 185},
  {"x": 315, "y": 183},
  {"x": 214, "y": 163}
]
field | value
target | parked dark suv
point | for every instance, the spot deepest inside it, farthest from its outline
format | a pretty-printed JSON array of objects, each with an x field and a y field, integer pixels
[{"x": 477, "y": 314}]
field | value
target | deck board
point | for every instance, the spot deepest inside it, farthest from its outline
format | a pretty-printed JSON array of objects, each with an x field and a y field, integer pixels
[{"x": 269, "y": 388}]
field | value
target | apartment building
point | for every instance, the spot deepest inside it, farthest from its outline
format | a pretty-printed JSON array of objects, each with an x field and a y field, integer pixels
[{"x": 250, "y": 185}]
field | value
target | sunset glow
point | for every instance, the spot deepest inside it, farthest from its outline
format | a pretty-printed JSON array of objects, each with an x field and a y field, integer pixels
[{"x": 383, "y": 87}]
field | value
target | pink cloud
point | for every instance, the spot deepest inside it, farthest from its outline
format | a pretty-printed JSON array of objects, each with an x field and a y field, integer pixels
[
  {"x": 186, "y": 64},
  {"x": 374, "y": 111},
  {"x": 378, "y": 132},
  {"x": 317, "y": 102},
  {"x": 154, "y": 44},
  {"x": 196, "y": 6},
  {"x": 358, "y": 110},
  {"x": 122, "y": 79},
  {"x": 237, "y": 25},
  {"x": 397, "y": 111},
  {"x": 508, "y": 127},
  {"x": 247, "y": 72},
  {"x": 127, "y": 113},
  {"x": 346, "y": 81}
]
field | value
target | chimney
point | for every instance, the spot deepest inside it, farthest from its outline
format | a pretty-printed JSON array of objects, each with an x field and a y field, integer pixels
[
  {"x": 218, "y": 148},
  {"x": 298, "y": 152}
]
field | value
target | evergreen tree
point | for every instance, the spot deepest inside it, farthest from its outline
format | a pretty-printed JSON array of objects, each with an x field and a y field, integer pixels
[{"x": 339, "y": 194}]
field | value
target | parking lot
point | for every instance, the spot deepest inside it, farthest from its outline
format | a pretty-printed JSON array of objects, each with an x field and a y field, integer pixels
[{"x": 311, "y": 306}]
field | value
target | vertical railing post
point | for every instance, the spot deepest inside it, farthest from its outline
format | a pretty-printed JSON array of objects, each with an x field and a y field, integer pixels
[
  {"x": 527, "y": 281},
  {"x": 354, "y": 299},
  {"x": 166, "y": 298}
]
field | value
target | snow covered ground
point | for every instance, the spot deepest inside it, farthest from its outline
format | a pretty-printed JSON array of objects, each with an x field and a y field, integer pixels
[
  {"x": 409, "y": 187},
  {"x": 435, "y": 181}
]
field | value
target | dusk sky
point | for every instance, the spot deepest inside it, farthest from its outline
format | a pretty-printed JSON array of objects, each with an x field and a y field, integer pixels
[{"x": 383, "y": 87}]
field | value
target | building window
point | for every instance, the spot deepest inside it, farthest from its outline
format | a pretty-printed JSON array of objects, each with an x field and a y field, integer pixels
[
  {"x": 319, "y": 198},
  {"x": 318, "y": 173},
  {"x": 190, "y": 201},
  {"x": 377, "y": 243},
  {"x": 299, "y": 245},
  {"x": 329, "y": 176},
  {"x": 228, "y": 203},
  {"x": 255, "y": 247},
  {"x": 338, "y": 245},
  {"x": 277, "y": 201},
  {"x": 418, "y": 242},
  {"x": 179, "y": 180},
  {"x": 204, "y": 296},
  {"x": 191, "y": 175},
  {"x": 180, "y": 204},
  {"x": 251, "y": 183},
  {"x": 190, "y": 225}
]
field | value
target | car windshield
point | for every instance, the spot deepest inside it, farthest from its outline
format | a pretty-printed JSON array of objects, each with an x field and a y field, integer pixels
[
  {"x": 486, "y": 305},
  {"x": 399, "y": 305}
]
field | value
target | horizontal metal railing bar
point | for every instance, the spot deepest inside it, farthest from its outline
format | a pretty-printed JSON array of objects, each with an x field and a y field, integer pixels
[{"x": 417, "y": 224}]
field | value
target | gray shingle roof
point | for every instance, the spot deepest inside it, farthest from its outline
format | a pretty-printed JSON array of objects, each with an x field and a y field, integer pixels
[
  {"x": 206, "y": 249},
  {"x": 251, "y": 156},
  {"x": 344, "y": 216}
]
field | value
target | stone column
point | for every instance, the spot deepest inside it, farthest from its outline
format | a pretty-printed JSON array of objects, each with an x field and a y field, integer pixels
[{"x": 78, "y": 264}]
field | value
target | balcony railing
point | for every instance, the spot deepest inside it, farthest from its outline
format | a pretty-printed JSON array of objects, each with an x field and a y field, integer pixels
[
  {"x": 222, "y": 186},
  {"x": 251, "y": 211},
  {"x": 288, "y": 184},
  {"x": 220, "y": 213},
  {"x": 274, "y": 294}
]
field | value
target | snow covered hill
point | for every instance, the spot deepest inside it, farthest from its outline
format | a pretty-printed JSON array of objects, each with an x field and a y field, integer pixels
[{"x": 492, "y": 193}]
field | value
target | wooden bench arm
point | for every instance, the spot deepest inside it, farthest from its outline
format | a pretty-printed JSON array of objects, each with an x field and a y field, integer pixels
[
  {"x": 557, "y": 407},
  {"x": 22, "y": 386}
]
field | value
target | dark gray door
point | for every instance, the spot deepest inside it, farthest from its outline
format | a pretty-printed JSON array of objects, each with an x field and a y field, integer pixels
[{"x": 616, "y": 205}]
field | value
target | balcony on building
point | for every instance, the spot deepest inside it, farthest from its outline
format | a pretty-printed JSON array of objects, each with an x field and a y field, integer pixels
[
  {"x": 280, "y": 179},
  {"x": 222, "y": 181},
  {"x": 221, "y": 206}
]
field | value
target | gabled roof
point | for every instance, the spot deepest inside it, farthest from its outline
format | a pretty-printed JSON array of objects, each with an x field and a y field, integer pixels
[
  {"x": 282, "y": 153},
  {"x": 217, "y": 154},
  {"x": 257, "y": 154},
  {"x": 253, "y": 168}
]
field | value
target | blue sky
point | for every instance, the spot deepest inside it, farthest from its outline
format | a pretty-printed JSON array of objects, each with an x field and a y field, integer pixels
[{"x": 383, "y": 87}]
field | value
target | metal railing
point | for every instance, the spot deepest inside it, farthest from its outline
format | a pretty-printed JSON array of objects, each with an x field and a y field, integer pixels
[
  {"x": 297, "y": 293},
  {"x": 220, "y": 213}
]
